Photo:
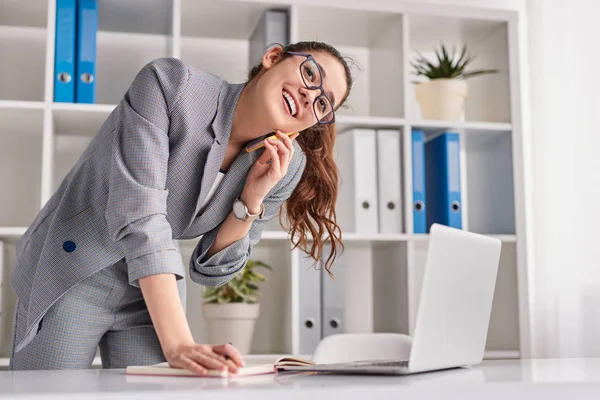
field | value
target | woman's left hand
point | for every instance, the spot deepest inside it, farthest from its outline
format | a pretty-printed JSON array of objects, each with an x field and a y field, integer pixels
[{"x": 271, "y": 166}]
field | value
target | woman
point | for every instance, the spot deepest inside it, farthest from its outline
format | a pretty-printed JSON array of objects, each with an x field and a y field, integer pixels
[{"x": 100, "y": 266}]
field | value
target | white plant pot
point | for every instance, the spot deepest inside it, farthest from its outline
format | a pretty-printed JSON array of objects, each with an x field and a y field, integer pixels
[
  {"x": 442, "y": 99},
  {"x": 232, "y": 322}
]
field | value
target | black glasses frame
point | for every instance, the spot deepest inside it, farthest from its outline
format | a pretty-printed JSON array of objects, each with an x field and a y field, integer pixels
[{"x": 314, "y": 87}]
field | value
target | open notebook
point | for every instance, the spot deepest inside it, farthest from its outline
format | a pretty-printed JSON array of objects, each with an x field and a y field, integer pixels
[{"x": 163, "y": 369}]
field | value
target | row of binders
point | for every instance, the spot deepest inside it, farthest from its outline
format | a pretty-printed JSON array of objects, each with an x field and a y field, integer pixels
[
  {"x": 321, "y": 301},
  {"x": 75, "y": 51},
  {"x": 370, "y": 194}
]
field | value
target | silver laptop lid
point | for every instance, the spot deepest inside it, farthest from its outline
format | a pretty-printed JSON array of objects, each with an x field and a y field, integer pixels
[{"x": 456, "y": 299}]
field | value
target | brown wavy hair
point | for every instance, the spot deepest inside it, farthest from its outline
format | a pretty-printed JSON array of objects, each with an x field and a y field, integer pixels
[{"x": 310, "y": 209}]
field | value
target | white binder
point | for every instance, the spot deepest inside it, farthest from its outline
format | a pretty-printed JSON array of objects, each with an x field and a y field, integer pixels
[
  {"x": 334, "y": 297},
  {"x": 272, "y": 27},
  {"x": 355, "y": 156},
  {"x": 389, "y": 180},
  {"x": 309, "y": 284}
]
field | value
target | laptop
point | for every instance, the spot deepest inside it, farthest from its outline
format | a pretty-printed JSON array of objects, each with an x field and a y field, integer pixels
[{"x": 454, "y": 308}]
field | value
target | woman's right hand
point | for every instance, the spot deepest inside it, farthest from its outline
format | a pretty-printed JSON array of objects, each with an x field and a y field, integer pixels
[{"x": 199, "y": 358}]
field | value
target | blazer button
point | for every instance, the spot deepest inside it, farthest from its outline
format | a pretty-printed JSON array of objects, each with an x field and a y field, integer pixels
[{"x": 69, "y": 246}]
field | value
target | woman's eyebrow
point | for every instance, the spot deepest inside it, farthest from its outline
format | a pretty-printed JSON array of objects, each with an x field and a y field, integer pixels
[{"x": 330, "y": 94}]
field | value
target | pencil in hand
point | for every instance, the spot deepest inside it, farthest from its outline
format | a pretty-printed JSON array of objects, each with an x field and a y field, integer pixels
[{"x": 257, "y": 146}]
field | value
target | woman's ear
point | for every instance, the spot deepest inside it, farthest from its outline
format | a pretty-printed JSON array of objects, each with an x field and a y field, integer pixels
[{"x": 272, "y": 56}]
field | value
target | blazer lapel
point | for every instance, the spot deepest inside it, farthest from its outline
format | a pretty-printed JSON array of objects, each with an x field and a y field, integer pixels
[
  {"x": 230, "y": 188},
  {"x": 228, "y": 97}
]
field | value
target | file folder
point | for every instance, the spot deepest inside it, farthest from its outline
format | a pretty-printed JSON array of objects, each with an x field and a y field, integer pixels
[
  {"x": 355, "y": 157},
  {"x": 442, "y": 168},
  {"x": 309, "y": 285},
  {"x": 418, "y": 182},
  {"x": 64, "y": 51},
  {"x": 389, "y": 180},
  {"x": 271, "y": 28},
  {"x": 87, "y": 26},
  {"x": 333, "y": 294}
]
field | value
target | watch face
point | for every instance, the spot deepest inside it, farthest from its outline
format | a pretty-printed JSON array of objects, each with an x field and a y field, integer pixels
[{"x": 239, "y": 209}]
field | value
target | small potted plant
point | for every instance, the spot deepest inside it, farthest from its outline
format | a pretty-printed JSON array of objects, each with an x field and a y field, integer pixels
[
  {"x": 231, "y": 310},
  {"x": 443, "y": 95}
]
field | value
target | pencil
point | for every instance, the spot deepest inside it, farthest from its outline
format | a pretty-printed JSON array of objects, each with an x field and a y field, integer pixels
[{"x": 257, "y": 146}]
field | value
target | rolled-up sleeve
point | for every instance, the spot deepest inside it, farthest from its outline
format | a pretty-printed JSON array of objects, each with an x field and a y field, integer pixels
[
  {"x": 222, "y": 266},
  {"x": 137, "y": 201}
]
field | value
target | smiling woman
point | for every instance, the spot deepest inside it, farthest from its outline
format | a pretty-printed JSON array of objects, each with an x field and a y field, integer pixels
[
  {"x": 169, "y": 164},
  {"x": 308, "y": 77}
]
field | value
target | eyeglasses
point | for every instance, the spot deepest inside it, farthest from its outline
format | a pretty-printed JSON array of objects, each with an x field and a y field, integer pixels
[{"x": 312, "y": 78}]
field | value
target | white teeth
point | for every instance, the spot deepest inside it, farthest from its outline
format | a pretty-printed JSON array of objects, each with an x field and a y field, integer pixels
[{"x": 290, "y": 101}]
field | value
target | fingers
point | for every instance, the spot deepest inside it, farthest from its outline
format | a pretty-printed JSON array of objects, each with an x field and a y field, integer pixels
[
  {"x": 271, "y": 149},
  {"x": 224, "y": 360},
  {"x": 193, "y": 366},
  {"x": 231, "y": 352},
  {"x": 206, "y": 361},
  {"x": 289, "y": 149}
]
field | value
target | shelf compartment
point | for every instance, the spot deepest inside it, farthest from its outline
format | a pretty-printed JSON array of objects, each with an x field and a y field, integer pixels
[
  {"x": 272, "y": 334},
  {"x": 74, "y": 128},
  {"x": 31, "y": 13},
  {"x": 488, "y": 96},
  {"x": 21, "y": 135},
  {"x": 222, "y": 49},
  {"x": 23, "y": 63},
  {"x": 373, "y": 42},
  {"x": 152, "y": 17},
  {"x": 488, "y": 191},
  {"x": 115, "y": 76}
]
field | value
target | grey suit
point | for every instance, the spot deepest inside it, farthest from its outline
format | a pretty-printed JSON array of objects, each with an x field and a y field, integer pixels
[{"x": 138, "y": 187}]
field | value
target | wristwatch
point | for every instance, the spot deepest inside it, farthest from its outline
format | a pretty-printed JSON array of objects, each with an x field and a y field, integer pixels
[{"x": 241, "y": 210}]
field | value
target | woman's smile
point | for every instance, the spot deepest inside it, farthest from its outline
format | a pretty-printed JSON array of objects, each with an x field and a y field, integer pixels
[{"x": 289, "y": 103}]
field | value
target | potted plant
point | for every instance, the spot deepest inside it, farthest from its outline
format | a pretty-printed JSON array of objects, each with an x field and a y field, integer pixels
[
  {"x": 443, "y": 95},
  {"x": 231, "y": 310}
]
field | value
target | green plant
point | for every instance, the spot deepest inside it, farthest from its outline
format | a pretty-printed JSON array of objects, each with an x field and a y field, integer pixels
[
  {"x": 448, "y": 66},
  {"x": 241, "y": 289}
]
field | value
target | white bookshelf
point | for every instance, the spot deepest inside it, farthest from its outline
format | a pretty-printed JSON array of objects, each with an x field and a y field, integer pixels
[{"x": 41, "y": 140}]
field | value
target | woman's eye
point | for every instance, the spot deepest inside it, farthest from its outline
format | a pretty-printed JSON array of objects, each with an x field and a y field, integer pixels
[
  {"x": 323, "y": 105},
  {"x": 310, "y": 73}
]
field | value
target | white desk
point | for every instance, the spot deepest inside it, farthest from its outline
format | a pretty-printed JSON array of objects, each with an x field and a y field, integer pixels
[{"x": 531, "y": 379}]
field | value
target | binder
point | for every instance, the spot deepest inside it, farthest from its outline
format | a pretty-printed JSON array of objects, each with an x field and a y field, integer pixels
[
  {"x": 419, "y": 187},
  {"x": 333, "y": 295},
  {"x": 87, "y": 26},
  {"x": 271, "y": 28},
  {"x": 389, "y": 180},
  {"x": 355, "y": 157},
  {"x": 309, "y": 284},
  {"x": 442, "y": 168},
  {"x": 64, "y": 51}
]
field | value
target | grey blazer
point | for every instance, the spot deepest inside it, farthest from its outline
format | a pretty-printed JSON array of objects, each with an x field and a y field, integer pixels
[{"x": 139, "y": 186}]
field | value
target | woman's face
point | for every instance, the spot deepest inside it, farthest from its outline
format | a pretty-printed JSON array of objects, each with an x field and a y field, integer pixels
[{"x": 287, "y": 102}]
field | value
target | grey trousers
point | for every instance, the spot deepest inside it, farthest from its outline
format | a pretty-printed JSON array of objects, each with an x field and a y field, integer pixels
[{"x": 102, "y": 310}]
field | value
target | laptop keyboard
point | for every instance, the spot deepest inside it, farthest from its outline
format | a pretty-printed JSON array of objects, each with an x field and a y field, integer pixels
[
  {"x": 402, "y": 363},
  {"x": 395, "y": 363}
]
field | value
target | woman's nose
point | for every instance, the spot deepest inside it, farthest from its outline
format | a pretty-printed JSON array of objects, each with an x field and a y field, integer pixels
[{"x": 308, "y": 96}]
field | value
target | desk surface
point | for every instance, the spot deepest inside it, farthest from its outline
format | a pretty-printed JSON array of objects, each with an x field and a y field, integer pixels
[{"x": 501, "y": 379}]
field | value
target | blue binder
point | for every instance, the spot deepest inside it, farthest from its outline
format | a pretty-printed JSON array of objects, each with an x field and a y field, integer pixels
[
  {"x": 442, "y": 168},
  {"x": 87, "y": 26},
  {"x": 418, "y": 178},
  {"x": 64, "y": 51}
]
